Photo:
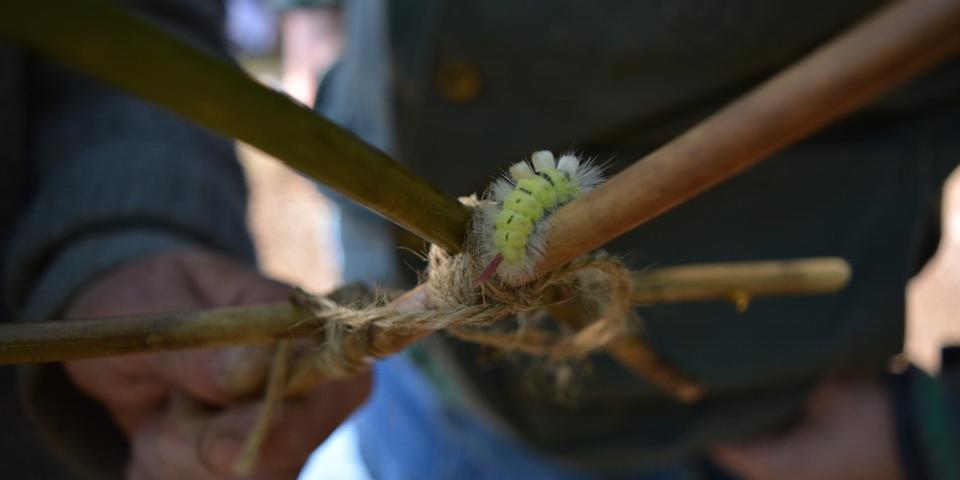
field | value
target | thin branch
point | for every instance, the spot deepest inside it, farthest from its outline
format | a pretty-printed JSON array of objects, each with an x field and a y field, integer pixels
[
  {"x": 739, "y": 282},
  {"x": 257, "y": 324},
  {"x": 35, "y": 342}
]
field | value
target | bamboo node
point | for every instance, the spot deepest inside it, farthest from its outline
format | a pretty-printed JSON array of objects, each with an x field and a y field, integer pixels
[{"x": 741, "y": 300}]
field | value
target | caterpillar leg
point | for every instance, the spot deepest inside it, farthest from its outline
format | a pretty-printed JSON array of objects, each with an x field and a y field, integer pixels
[{"x": 488, "y": 272}]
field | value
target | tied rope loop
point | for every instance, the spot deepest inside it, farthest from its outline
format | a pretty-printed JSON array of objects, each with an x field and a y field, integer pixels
[
  {"x": 352, "y": 336},
  {"x": 456, "y": 304},
  {"x": 602, "y": 284}
]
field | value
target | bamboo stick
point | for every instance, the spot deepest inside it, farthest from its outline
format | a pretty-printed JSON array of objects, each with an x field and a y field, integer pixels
[
  {"x": 257, "y": 324},
  {"x": 117, "y": 47},
  {"x": 881, "y": 53},
  {"x": 36, "y": 342},
  {"x": 739, "y": 281}
]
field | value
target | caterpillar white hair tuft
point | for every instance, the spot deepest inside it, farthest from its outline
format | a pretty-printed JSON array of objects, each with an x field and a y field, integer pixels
[{"x": 515, "y": 215}]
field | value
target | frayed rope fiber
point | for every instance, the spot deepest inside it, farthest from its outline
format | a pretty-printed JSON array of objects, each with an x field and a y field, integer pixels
[
  {"x": 461, "y": 308},
  {"x": 457, "y": 305},
  {"x": 350, "y": 335}
]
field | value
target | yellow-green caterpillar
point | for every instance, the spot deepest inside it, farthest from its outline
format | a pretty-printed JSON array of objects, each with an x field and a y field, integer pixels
[{"x": 515, "y": 218}]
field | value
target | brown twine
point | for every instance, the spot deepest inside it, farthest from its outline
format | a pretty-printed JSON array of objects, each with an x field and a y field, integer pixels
[
  {"x": 454, "y": 303},
  {"x": 271, "y": 400},
  {"x": 463, "y": 309}
]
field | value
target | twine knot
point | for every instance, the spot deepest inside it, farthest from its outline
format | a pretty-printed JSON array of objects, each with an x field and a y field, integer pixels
[{"x": 354, "y": 335}]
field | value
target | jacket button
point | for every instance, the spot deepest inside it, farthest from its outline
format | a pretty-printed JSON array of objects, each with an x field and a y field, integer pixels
[{"x": 458, "y": 82}]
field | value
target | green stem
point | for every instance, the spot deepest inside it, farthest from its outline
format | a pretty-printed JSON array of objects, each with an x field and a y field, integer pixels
[{"x": 131, "y": 53}]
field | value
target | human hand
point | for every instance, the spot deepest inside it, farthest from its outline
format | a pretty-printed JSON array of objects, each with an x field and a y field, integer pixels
[
  {"x": 187, "y": 413},
  {"x": 847, "y": 433}
]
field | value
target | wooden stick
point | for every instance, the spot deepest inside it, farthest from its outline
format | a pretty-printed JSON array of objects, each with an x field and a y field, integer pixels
[
  {"x": 739, "y": 281},
  {"x": 257, "y": 324},
  {"x": 101, "y": 39},
  {"x": 735, "y": 281},
  {"x": 884, "y": 51},
  {"x": 34, "y": 342}
]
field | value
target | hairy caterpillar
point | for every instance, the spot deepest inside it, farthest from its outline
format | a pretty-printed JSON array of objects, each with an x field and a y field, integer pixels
[{"x": 515, "y": 215}]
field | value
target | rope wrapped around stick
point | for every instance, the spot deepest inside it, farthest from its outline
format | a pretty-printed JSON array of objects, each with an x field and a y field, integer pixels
[
  {"x": 463, "y": 309},
  {"x": 456, "y": 304}
]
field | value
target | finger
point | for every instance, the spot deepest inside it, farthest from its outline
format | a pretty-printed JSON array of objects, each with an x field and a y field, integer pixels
[
  {"x": 220, "y": 376},
  {"x": 164, "y": 447},
  {"x": 167, "y": 447},
  {"x": 297, "y": 428},
  {"x": 174, "y": 281},
  {"x": 123, "y": 384},
  {"x": 130, "y": 386}
]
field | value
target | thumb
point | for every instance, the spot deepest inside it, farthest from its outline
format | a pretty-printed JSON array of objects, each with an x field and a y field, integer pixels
[{"x": 218, "y": 376}]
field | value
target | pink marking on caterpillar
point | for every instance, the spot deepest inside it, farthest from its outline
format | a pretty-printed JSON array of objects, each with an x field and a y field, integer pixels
[{"x": 488, "y": 272}]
